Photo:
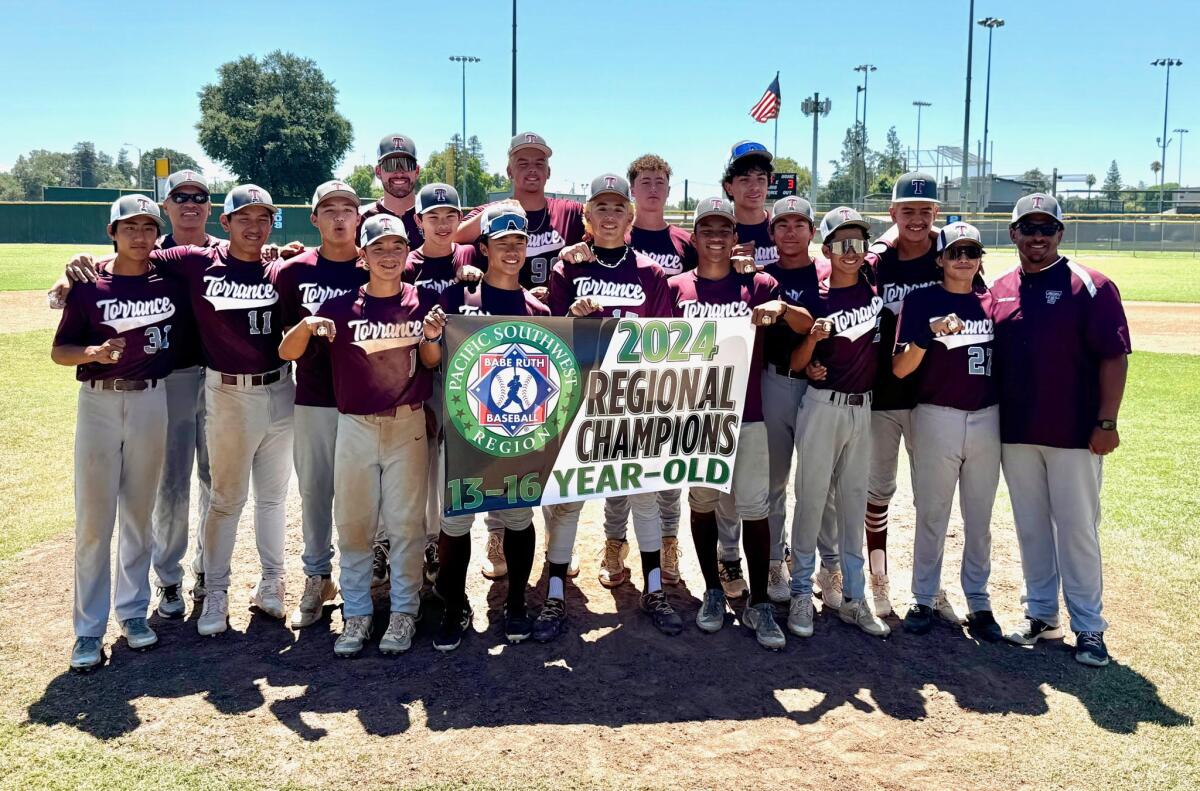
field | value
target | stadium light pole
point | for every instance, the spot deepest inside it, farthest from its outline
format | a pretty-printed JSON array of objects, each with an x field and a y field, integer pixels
[
  {"x": 991, "y": 23},
  {"x": 139, "y": 170},
  {"x": 1168, "y": 62},
  {"x": 919, "y": 105},
  {"x": 464, "y": 60},
  {"x": 858, "y": 89},
  {"x": 866, "y": 69},
  {"x": 1181, "y": 133},
  {"x": 816, "y": 108},
  {"x": 514, "y": 70},
  {"x": 964, "y": 192}
]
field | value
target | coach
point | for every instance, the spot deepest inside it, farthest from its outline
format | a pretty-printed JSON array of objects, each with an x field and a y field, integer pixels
[{"x": 1061, "y": 343}]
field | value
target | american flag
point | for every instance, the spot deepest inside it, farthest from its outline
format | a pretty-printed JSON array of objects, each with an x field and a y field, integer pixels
[{"x": 768, "y": 106}]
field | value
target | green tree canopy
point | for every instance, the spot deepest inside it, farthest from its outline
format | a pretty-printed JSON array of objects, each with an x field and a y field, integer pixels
[
  {"x": 362, "y": 179},
  {"x": 1112, "y": 182},
  {"x": 447, "y": 166},
  {"x": 1039, "y": 180},
  {"x": 274, "y": 122},
  {"x": 803, "y": 173},
  {"x": 41, "y": 168},
  {"x": 10, "y": 188}
]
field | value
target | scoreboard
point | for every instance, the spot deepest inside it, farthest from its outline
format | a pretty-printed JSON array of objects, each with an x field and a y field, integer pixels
[{"x": 781, "y": 186}]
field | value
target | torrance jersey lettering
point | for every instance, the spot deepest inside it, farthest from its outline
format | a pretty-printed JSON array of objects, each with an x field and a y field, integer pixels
[
  {"x": 124, "y": 315},
  {"x": 974, "y": 331},
  {"x": 364, "y": 331},
  {"x": 853, "y": 323},
  {"x": 610, "y": 293},
  {"x": 224, "y": 295},
  {"x": 314, "y": 295},
  {"x": 894, "y": 293},
  {"x": 694, "y": 309},
  {"x": 956, "y": 371},
  {"x": 548, "y": 241}
]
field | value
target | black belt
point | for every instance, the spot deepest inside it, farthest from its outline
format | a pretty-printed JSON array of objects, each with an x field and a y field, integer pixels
[
  {"x": 123, "y": 385},
  {"x": 849, "y": 399},
  {"x": 783, "y": 370},
  {"x": 256, "y": 380}
]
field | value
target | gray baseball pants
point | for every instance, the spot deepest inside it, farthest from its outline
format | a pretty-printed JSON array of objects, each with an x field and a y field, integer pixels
[
  {"x": 747, "y": 498},
  {"x": 120, "y": 438},
  {"x": 956, "y": 450},
  {"x": 616, "y": 515},
  {"x": 313, "y": 452},
  {"x": 185, "y": 443}
]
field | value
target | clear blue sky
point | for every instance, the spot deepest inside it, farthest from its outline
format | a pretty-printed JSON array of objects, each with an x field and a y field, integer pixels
[{"x": 1072, "y": 84}]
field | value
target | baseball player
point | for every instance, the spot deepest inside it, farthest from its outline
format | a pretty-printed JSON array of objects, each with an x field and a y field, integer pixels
[
  {"x": 304, "y": 283},
  {"x": 833, "y": 436},
  {"x": 608, "y": 279},
  {"x": 117, "y": 332},
  {"x": 380, "y": 467},
  {"x": 910, "y": 264},
  {"x": 945, "y": 336},
  {"x": 798, "y": 275},
  {"x": 398, "y": 170},
  {"x": 671, "y": 248},
  {"x": 1062, "y": 346},
  {"x": 554, "y": 223},
  {"x": 713, "y": 289},
  {"x": 504, "y": 242}
]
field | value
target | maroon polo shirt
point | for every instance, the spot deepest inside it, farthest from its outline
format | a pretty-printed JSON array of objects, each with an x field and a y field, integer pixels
[{"x": 187, "y": 343}]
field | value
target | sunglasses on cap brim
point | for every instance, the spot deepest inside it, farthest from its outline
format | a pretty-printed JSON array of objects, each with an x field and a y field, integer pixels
[
  {"x": 513, "y": 223},
  {"x": 745, "y": 149},
  {"x": 398, "y": 163}
]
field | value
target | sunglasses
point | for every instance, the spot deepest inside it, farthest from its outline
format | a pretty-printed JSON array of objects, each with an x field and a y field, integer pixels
[
  {"x": 969, "y": 251},
  {"x": 393, "y": 164},
  {"x": 747, "y": 148},
  {"x": 844, "y": 246},
  {"x": 199, "y": 198},
  {"x": 506, "y": 222},
  {"x": 1028, "y": 228}
]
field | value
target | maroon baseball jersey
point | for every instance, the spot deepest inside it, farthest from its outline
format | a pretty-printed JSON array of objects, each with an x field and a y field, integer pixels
[
  {"x": 436, "y": 273},
  {"x": 305, "y": 282},
  {"x": 415, "y": 237},
  {"x": 765, "y": 251},
  {"x": 186, "y": 342},
  {"x": 149, "y": 311},
  {"x": 235, "y": 305},
  {"x": 168, "y": 241},
  {"x": 550, "y": 230},
  {"x": 376, "y": 364},
  {"x": 956, "y": 371},
  {"x": 671, "y": 248},
  {"x": 482, "y": 299},
  {"x": 635, "y": 286},
  {"x": 796, "y": 287},
  {"x": 850, "y": 354},
  {"x": 1053, "y": 328},
  {"x": 894, "y": 281},
  {"x": 695, "y": 297}
]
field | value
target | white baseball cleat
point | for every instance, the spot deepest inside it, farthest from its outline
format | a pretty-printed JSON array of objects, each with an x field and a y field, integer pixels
[
  {"x": 214, "y": 615},
  {"x": 398, "y": 637},
  {"x": 779, "y": 584},
  {"x": 829, "y": 587},
  {"x": 857, "y": 612},
  {"x": 268, "y": 596},
  {"x": 317, "y": 591},
  {"x": 881, "y": 595}
]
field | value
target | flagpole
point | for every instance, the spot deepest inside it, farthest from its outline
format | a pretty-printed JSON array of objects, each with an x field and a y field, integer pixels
[
  {"x": 778, "y": 109},
  {"x": 775, "y": 150}
]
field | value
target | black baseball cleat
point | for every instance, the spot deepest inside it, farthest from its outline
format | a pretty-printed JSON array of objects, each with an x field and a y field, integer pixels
[
  {"x": 732, "y": 581},
  {"x": 1090, "y": 649},
  {"x": 982, "y": 626},
  {"x": 518, "y": 625},
  {"x": 450, "y": 631},
  {"x": 661, "y": 613},
  {"x": 919, "y": 619},
  {"x": 551, "y": 621},
  {"x": 380, "y": 570}
]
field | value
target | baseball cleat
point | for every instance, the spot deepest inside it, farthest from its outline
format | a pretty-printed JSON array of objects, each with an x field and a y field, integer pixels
[
  {"x": 450, "y": 631},
  {"x": 779, "y": 584},
  {"x": 573, "y": 566},
  {"x": 170, "y": 603},
  {"x": 317, "y": 591},
  {"x": 1032, "y": 630},
  {"x": 551, "y": 621},
  {"x": 881, "y": 594},
  {"x": 138, "y": 634},
  {"x": 761, "y": 618},
  {"x": 87, "y": 654},
  {"x": 431, "y": 564},
  {"x": 800, "y": 616},
  {"x": 732, "y": 581},
  {"x": 1090, "y": 649},
  {"x": 945, "y": 610},
  {"x": 919, "y": 619},
  {"x": 494, "y": 565},
  {"x": 356, "y": 631},
  {"x": 214, "y": 615},
  {"x": 198, "y": 589},
  {"x": 380, "y": 573},
  {"x": 268, "y": 597},
  {"x": 669, "y": 557},
  {"x": 399, "y": 635},
  {"x": 663, "y": 615},
  {"x": 857, "y": 612},
  {"x": 518, "y": 626},
  {"x": 829, "y": 587},
  {"x": 982, "y": 626},
  {"x": 711, "y": 616},
  {"x": 612, "y": 562}
]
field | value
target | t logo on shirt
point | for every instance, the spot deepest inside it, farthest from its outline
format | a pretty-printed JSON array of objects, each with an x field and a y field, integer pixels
[{"x": 1052, "y": 297}]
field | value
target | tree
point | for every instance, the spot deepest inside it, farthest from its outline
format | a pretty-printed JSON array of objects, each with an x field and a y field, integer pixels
[
  {"x": 10, "y": 188},
  {"x": 178, "y": 160},
  {"x": 126, "y": 169},
  {"x": 362, "y": 179},
  {"x": 85, "y": 167},
  {"x": 803, "y": 174},
  {"x": 1112, "y": 182},
  {"x": 41, "y": 168},
  {"x": 891, "y": 162},
  {"x": 448, "y": 164},
  {"x": 1091, "y": 182},
  {"x": 1039, "y": 180},
  {"x": 274, "y": 122}
]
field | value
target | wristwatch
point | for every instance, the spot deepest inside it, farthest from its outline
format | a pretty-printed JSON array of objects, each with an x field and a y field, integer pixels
[{"x": 1106, "y": 425}]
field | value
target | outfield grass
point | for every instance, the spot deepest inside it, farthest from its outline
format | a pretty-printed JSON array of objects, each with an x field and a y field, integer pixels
[{"x": 33, "y": 267}]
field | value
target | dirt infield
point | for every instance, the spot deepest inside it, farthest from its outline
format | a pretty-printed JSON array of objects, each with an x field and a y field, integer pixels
[
  {"x": 612, "y": 704},
  {"x": 1169, "y": 327}
]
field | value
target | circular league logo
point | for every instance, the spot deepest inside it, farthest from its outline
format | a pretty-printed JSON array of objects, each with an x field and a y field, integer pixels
[{"x": 511, "y": 388}]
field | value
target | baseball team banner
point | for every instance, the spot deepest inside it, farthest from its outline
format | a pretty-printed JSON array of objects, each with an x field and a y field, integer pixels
[{"x": 551, "y": 410}]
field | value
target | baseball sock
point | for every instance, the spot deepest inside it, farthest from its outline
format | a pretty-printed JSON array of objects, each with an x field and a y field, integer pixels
[
  {"x": 704, "y": 536},
  {"x": 651, "y": 573},
  {"x": 454, "y": 554},
  {"x": 756, "y": 538},
  {"x": 876, "y": 524},
  {"x": 556, "y": 587},
  {"x": 518, "y": 550}
]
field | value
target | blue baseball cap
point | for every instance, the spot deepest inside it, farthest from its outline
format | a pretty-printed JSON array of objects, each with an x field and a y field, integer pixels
[
  {"x": 432, "y": 196},
  {"x": 914, "y": 187}
]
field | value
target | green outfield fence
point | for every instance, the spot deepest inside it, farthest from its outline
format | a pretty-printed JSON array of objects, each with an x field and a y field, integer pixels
[{"x": 69, "y": 222}]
